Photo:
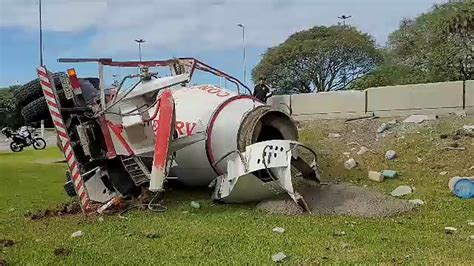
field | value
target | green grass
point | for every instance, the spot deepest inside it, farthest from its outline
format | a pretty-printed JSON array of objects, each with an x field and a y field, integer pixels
[{"x": 238, "y": 234}]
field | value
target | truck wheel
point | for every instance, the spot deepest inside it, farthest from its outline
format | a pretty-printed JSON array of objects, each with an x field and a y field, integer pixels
[
  {"x": 38, "y": 109},
  {"x": 69, "y": 186},
  {"x": 32, "y": 90},
  {"x": 35, "y": 111}
]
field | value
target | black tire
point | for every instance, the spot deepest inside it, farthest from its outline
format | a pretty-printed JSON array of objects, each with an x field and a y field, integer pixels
[
  {"x": 69, "y": 186},
  {"x": 39, "y": 144},
  {"x": 94, "y": 81},
  {"x": 38, "y": 109},
  {"x": 32, "y": 90},
  {"x": 15, "y": 147}
]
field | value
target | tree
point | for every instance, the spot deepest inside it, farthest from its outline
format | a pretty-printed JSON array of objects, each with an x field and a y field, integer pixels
[
  {"x": 437, "y": 45},
  {"x": 319, "y": 59},
  {"x": 9, "y": 114}
]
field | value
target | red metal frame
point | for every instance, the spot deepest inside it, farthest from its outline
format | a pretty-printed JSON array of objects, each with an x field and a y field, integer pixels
[{"x": 195, "y": 64}]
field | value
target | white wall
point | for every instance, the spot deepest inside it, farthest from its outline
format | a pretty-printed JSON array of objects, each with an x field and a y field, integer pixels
[{"x": 430, "y": 98}]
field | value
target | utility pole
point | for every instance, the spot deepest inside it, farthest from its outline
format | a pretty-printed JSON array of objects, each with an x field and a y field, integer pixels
[
  {"x": 243, "y": 48},
  {"x": 40, "y": 35},
  {"x": 140, "y": 41},
  {"x": 344, "y": 17}
]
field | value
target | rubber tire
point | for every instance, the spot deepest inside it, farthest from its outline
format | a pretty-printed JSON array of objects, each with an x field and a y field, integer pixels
[
  {"x": 94, "y": 81},
  {"x": 69, "y": 186},
  {"x": 38, "y": 109},
  {"x": 32, "y": 90},
  {"x": 15, "y": 148},
  {"x": 39, "y": 140}
]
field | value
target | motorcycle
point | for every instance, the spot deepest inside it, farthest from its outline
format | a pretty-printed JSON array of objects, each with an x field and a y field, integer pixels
[{"x": 20, "y": 141}]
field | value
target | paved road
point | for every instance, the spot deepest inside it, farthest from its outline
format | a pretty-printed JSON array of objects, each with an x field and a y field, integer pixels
[{"x": 49, "y": 136}]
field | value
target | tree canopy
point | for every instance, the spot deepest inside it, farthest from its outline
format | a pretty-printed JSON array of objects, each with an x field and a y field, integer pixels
[
  {"x": 9, "y": 114},
  {"x": 319, "y": 59},
  {"x": 433, "y": 47}
]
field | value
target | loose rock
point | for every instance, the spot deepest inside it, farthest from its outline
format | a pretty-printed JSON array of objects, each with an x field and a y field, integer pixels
[
  {"x": 334, "y": 135},
  {"x": 339, "y": 233},
  {"x": 392, "y": 122},
  {"x": 382, "y": 128},
  {"x": 401, "y": 191},
  {"x": 278, "y": 257},
  {"x": 362, "y": 150},
  {"x": 195, "y": 204},
  {"x": 279, "y": 230},
  {"x": 350, "y": 164},
  {"x": 390, "y": 174},
  {"x": 416, "y": 202},
  {"x": 77, "y": 234},
  {"x": 443, "y": 173},
  {"x": 390, "y": 155},
  {"x": 450, "y": 230},
  {"x": 468, "y": 128},
  {"x": 471, "y": 223},
  {"x": 375, "y": 176},
  {"x": 418, "y": 118}
]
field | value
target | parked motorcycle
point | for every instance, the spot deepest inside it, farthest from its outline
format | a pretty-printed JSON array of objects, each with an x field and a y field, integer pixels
[{"x": 23, "y": 139}]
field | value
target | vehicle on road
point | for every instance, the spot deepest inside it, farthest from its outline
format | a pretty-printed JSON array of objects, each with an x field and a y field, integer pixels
[{"x": 23, "y": 138}]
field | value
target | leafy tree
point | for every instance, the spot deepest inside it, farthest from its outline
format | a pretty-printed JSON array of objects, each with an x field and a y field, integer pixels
[
  {"x": 9, "y": 114},
  {"x": 319, "y": 59},
  {"x": 437, "y": 45}
]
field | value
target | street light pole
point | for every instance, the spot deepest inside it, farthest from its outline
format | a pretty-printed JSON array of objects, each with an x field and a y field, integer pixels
[
  {"x": 140, "y": 41},
  {"x": 244, "y": 55},
  {"x": 40, "y": 36}
]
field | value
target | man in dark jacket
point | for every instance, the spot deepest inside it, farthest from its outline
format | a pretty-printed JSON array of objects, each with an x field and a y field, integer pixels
[{"x": 262, "y": 90}]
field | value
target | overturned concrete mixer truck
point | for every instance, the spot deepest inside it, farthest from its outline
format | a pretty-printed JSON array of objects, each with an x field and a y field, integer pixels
[{"x": 152, "y": 127}]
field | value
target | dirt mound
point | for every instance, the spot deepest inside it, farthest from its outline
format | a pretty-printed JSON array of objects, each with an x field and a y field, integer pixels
[{"x": 339, "y": 199}]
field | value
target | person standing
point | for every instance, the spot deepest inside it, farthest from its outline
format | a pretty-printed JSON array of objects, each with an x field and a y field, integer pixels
[{"x": 262, "y": 90}]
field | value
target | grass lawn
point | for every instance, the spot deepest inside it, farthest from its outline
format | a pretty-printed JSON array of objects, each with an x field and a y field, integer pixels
[{"x": 238, "y": 234}]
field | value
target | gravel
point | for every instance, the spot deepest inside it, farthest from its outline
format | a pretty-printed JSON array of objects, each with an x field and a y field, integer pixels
[{"x": 339, "y": 199}]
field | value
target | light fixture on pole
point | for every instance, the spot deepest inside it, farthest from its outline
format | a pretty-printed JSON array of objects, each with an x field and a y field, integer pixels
[
  {"x": 243, "y": 48},
  {"x": 140, "y": 41},
  {"x": 344, "y": 17},
  {"x": 40, "y": 35}
]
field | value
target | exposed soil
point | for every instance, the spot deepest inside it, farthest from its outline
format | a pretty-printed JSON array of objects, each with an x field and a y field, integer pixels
[
  {"x": 61, "y": 252},
  {"x": 50, "y": 161},
  {"x": 61, "y": 210},
  {"x": 339, "y": 199},
  {"x": 4, "y": 243}
]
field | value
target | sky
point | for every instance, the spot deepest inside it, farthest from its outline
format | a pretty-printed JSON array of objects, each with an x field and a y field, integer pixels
[{"x": 205, "y": 29}]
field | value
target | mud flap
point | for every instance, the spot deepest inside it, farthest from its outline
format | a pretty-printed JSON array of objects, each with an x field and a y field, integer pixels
[{"x": 242, "y": 183}]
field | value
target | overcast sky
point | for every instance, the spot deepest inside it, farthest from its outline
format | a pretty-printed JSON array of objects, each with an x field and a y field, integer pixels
[{"x": 202, "y": 28}]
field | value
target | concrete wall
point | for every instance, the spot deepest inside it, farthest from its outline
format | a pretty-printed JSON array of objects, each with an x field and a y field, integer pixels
[
  {"x": 431, "y": 98},
  {"x": 469, "y": 96},
  {"x": 328, "y": 104}
]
